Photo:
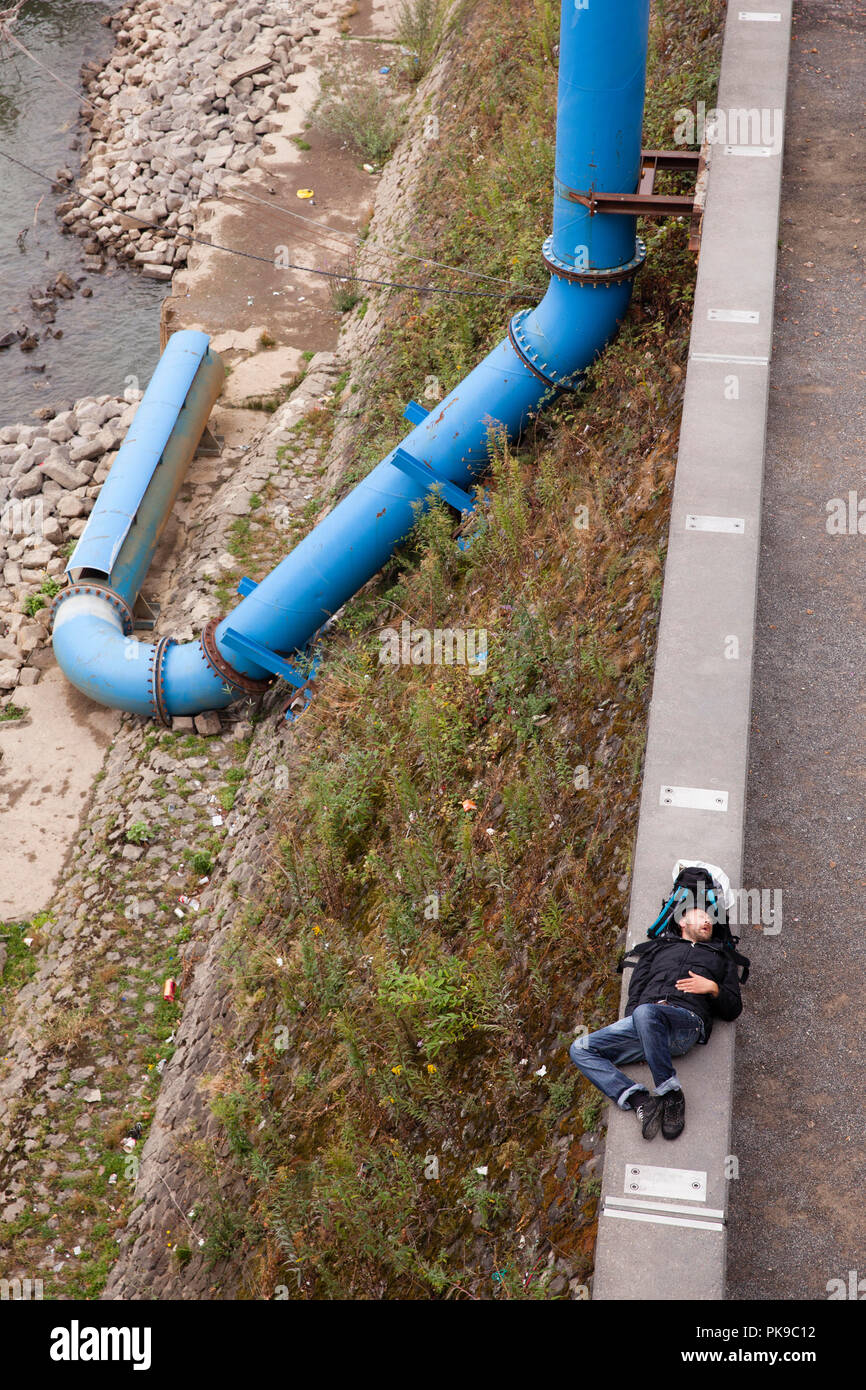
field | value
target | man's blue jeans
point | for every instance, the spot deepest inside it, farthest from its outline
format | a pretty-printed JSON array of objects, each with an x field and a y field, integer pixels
[{"x": 654, "y": 1034}]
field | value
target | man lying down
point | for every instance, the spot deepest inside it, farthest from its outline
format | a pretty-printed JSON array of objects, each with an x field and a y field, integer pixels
[{"x": 683, "y": 979}]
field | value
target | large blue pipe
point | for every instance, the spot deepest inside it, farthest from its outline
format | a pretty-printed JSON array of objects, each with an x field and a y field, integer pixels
[{"x": 592, "y": 259}]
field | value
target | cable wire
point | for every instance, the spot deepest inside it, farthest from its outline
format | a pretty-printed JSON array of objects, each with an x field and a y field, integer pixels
[
  {"x": 244, "y": 193},
  {"x": 269, "y": 260}
]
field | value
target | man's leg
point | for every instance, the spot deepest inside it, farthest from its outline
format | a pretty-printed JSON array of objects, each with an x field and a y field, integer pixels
[
  {"x": 595, "y": 1055},
  {"x": 665, "y": 1032}
]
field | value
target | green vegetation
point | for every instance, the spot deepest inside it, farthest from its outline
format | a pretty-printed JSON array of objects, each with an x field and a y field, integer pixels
[
  {"x": 451, "y": 859},
  {"x": 420, "y": 28},
  {"x": 48, "y": 589},
  {"x": 138, "y": 834},
  {"x": 359, "y": 114}
]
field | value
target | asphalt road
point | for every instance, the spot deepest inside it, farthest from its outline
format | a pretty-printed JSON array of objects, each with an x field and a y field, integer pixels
[{"x": 798, "y": 1216}]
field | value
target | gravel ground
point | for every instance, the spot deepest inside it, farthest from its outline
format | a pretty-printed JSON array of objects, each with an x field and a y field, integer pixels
[{"x": 797, "y": 1217}]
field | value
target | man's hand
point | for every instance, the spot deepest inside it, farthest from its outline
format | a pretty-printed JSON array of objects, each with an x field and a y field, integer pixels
[{"x": 697, "y": 984}]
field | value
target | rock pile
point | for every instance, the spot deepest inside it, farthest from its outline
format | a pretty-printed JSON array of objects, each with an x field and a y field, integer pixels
[
  {"x": 183, "y": 103},
  {"x": 43, "y": 300},
  {"x": 50, "y": 476}
]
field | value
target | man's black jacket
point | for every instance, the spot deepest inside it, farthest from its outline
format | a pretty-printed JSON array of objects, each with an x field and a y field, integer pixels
[{"x": 669, "y": 959}]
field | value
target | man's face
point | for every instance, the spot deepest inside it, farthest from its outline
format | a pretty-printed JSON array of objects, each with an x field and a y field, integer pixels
[{"x": 696, "y": 925}]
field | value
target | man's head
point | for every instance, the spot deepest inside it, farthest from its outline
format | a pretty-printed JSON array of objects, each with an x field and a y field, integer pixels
[{"x": 696, "y": 925}]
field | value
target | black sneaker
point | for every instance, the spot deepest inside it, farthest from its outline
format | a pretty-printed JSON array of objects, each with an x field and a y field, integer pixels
[
  {"x": 649, "y": 1112},
  {"x": 636, "y": 1098},
  {"x": 674, "y": 1114}
]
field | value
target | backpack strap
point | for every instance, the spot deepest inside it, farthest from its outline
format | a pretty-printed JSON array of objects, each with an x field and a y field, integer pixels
[
  {"x": 635, "y": 951},
  {"x": 667, "y": 911}
]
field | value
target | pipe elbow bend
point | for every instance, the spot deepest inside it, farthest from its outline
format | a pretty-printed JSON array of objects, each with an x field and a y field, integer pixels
[
  {"x": 152, "y": 679},
  {"x": 571, "y": 326}
]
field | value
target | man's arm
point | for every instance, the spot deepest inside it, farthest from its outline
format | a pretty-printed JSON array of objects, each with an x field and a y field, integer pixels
[
  {"x": 639, "y": 976},
  {"x": 728, "y": 1004}
]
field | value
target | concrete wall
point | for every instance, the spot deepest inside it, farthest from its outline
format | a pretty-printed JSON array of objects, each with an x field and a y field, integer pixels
[{"x": 662, "y": 1233}]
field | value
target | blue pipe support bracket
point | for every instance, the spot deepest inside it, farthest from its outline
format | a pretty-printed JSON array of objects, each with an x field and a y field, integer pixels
[{"x": 592, "y": 259}]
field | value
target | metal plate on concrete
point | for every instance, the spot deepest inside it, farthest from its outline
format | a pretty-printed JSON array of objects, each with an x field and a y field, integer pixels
[
  {"x": 739, "y": 359},
  {"x": 641, "y": 1204},
  {"x": 734, "y": 315},
  {"x": 643, "y": 1179},
  {"x": 694, "y": 798},
  {"x": 658, "y": 1220},
  {"x": 734, "y": 524},
  {"x": 750, "y": 151},
  {"x": 760, "y": 17}
]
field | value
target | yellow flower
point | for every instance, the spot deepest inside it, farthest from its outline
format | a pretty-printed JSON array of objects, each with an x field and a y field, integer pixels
[
  {"x": 430, "y": 1067},
  {"x": 397, "y": 1070},
  {"x": 317, "y": 931}
]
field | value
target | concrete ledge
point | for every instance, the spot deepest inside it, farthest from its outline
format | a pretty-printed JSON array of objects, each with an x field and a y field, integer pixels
[{"x": 663, "y": 1244}]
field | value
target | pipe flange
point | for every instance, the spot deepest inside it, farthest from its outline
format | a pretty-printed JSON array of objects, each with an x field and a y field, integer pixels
[
  {"x": 217, "y": 662},
  {"x": 158, "y": 660},
  {"x": 102, "y": 591},
  {"x": 531, "y": 358},
  {"x": 596, "y": 279}
]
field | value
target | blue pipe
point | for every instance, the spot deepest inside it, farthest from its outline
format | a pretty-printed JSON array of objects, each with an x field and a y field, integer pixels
[{"x": 592, "y": 259}]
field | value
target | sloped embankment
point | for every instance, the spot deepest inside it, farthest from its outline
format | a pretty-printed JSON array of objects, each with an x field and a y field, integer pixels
[{"x": 374, "y": 1098}]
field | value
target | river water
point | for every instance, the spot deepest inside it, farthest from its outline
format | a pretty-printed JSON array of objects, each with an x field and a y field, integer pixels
[{"x": 114, "y": 334}]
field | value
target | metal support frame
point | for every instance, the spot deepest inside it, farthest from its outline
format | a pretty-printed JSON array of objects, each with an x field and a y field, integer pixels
[{"x": 646, "y": 202}]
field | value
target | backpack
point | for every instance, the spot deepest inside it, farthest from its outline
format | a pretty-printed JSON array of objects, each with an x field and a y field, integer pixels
[{"x": 696, "y": 884}]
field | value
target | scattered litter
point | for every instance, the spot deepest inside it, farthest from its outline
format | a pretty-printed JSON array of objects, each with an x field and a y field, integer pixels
[
  {"x": 194, "y": 904},
  {"x": 128, "y": 1144},
  {"x": 76, "y": 1250},
  {"x": 469, "y": 805},
  {"x": 383, "y": 70},
  {"x": 206, "y": 879},
  {"x": 482, "y": 1172},
  {"x": 305, "y": 193},
  {"x": 28, "y": 940},
  {"x": 249, "y": 1059},
  {"x": 542, "y": 1071},
  {"x": 112, "y": 1180},
  {"x": 249, "y": 299},
  {"x": 368, "y": 169},
  {"x": 301, "y": 298},
  {"x": 160, "y": 1066},
  {"x": 216, "y": 820},
  {"x": 279, "y": 961},
  {"x": 168, "y": 990},
  {"x": 178, "y": 913}
]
